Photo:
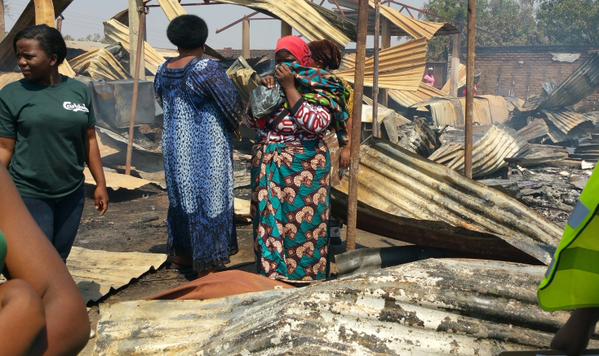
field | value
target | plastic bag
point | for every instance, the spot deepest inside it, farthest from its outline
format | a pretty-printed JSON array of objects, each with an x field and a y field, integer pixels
[{"x": 264, "y": 101}]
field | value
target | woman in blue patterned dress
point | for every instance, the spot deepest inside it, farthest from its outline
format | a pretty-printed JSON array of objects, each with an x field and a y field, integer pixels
[{"x": 201, "y": 107}]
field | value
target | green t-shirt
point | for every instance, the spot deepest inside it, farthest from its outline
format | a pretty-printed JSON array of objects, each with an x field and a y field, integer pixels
[{"x": 50, "y": 126}]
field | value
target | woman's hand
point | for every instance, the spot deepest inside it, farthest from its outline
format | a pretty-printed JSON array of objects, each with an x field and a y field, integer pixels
[
  {"x": 344, "y": 157},
  {"x": 268, "y": 81},
  {"x": 101, "y": 198},
  {"x": 285, "y": 76}
]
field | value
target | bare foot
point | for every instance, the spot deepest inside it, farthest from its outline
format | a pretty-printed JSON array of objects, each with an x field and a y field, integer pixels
[{"x": 574, "y": 336}]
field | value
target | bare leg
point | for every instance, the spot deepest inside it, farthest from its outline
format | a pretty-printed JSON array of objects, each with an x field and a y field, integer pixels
[
  {"x": 574, "y": 336},
  {"x": 21, "y": 317}
]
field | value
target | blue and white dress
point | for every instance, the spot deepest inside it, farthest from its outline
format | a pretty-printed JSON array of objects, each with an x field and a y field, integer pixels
[{"x": 200, "y": 104}]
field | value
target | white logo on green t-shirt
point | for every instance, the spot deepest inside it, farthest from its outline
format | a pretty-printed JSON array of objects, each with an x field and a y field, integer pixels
[{"x": 74, "y": 107}]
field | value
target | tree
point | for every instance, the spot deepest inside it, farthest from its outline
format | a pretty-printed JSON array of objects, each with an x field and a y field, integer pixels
[
  {"x": 499, "y": 22},
  {"x": 569, "y": 22}
]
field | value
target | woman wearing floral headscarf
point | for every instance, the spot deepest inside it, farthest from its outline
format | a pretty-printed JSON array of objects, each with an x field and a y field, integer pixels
[{"x": 291, "y": 168}]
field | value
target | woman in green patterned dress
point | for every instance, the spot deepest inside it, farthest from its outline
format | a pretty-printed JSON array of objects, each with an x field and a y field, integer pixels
[{"x": 291, "y": 168}]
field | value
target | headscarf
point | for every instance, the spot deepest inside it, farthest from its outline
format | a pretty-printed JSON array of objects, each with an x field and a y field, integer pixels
[{"x": 297, "y": 47}]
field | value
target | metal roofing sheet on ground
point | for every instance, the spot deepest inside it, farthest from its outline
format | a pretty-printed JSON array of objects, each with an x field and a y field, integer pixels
[
  {"x": 300, "y": 15},
  {"x": 489, "y": 153},
  {"x": 431, "y": 307},
  {"x": 583, "y": 82},
  {"x": 401, "y": 67},
  {"x": 487, "y": 110},
  {"x": 398, "y": 182},
  {"x": 95, "y": 274},
  {"x": 564, "y": 124}
]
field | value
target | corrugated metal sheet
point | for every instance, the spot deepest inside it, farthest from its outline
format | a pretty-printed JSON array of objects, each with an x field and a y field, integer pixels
[
  {"x": 413, "y": 27},
  {"x": 461, "y": 79},
  {"x": 7, "y": 78},
  {"x": 36, "y": 12},
  {"x": 99, "y": 64},
  {"x": 431, "y": 307},
  {"x": 408, "y": 98},
  {"x": 300, "y": 15},
  {"x": 583, "y": 82},
  {"x": 535, "y": 130},
  {"x": 404, "y": 25},
  {"x": 119, "y": 33},
  {"x": 566, "y": 124},
  {"x": 401, "y": 183},
  {"x": 489, "y": 153},
  {"x": 488, "y": 110},
  {"x": 401, "y": 67},
  {"x": 95, "y": 274}
]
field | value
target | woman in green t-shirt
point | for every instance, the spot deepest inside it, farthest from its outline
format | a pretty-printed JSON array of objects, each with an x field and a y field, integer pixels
[{"x": 47, "y": 135}]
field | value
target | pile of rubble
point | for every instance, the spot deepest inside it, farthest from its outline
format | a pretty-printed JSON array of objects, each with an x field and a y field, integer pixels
[{"x": 540, "y": 151}]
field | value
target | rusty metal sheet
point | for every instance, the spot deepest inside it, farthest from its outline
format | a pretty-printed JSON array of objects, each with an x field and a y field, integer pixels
[
  {"x": 409, "y": 98},
  {"x": 565, "y": 124},
  {"x": 413, "y": 27},
  {"x": 95, "y": 274},
  {"x": 534, "y": 131},
  {"x": 300, "y": 15},
  {"x": 99, "y": 64},
  {"x": 583, "y": 82},
  {"x": 401, "y": 183},
  {"x": 119, "y": 33},
  {"x": 489, "y": 153},
  {"x": 431, "y": 307},
  {"x": 461, "y": 79},
  {"x": 401, "y": 67},
  {"x": 487, "y": 110}
]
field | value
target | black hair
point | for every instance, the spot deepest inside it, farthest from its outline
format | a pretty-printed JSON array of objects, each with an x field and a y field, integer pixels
[
  {"x": 187, "y": 32},
  {"x": 49, "y": 38}
]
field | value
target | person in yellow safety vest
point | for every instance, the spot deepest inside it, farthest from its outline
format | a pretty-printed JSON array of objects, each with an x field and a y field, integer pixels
[{"x": 572, "y": 279}]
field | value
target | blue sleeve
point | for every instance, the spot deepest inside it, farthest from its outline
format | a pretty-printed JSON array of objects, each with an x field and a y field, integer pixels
[
  {"x": 214, "y": 82},
  {"x": 8, "y": 121}
]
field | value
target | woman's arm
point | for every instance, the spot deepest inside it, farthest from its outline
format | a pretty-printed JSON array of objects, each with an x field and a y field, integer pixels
[
  {"x": 287, "y": 81},
  {"x": 21, "y": 317},
  {"x": 94, "y": 162},
  {"x": 34, "y": 260},
  {"x": 7, "y": 149}
]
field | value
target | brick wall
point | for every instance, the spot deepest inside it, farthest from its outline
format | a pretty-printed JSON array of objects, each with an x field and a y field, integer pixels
[{"x": 521, "y": 72}]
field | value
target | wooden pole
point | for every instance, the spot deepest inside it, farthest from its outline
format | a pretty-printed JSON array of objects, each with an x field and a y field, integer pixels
[
  {"x": 59, "y": 20},
  {"x": 286, "y": 29},
  {"x": 245, "y": 33},
  {"x": 134, "y": 29},
  {"x": 2, "y": 21},
  {"x": 376, "y": 127},
  {"x": 136, "y": 77},
  {"x": 386, "y": 43},
  {"x": 470, "y": 87},
  {"x": 352, "y": 203},
  {"x": 454, "y": 73}
]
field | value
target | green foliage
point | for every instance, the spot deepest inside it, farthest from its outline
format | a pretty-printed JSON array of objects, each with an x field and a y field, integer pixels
[
  {"x": 569, "y": 22},
  {"x": 500, "y": 22}
]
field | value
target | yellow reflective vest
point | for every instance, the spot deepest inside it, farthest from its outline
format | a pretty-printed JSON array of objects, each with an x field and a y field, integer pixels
[{"x": 572, "y": 279}]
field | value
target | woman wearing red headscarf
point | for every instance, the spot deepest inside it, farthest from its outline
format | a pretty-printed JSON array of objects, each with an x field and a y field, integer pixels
[{"x": 290, "y": 171}]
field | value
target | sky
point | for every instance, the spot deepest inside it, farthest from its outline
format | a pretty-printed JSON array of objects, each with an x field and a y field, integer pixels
[{"x": 85, "y": 17}]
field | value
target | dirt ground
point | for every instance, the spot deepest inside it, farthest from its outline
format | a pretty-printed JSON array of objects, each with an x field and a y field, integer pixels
[{"x": 136, "y": 222}]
